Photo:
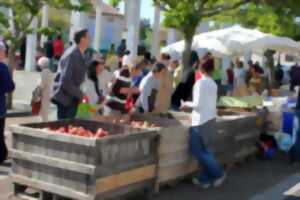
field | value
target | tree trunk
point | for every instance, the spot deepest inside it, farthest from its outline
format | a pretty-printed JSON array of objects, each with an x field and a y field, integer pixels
[
  {"x": 187, "y": 51},
  {"x": 11, "y": 65}
]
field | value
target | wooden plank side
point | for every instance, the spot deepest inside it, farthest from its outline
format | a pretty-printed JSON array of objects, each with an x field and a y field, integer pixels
[
  {"x": 55, "y": 189},
  {"x": 53, "y": 162},
  {"x": 166, "y": 174},
  {"x": 126, "y": 178}
]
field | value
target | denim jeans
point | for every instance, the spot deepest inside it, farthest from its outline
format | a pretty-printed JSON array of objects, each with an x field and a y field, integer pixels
[
  {"x": 211, "y": 170},
  {"x": 67, "y": 112},
  {"x": 295, "y": 150}
]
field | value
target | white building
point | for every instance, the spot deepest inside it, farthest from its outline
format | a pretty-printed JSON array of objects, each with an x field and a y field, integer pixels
[{"x": 112, "y": 27}]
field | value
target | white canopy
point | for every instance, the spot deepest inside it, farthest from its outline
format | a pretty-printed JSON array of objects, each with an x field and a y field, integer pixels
[{"x": 235, "y": 41}]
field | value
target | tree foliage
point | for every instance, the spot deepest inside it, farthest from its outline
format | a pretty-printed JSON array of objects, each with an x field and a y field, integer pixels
[
  {"x": 277, "y": 17},
  {"x": 186, "y": 15},
  {"x": 22, "y": 14},
  {"x": 24, "y": 11},
  {"x": 114, "y": 3}
]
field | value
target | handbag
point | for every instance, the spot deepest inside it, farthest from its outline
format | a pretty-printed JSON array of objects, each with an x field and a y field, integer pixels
[{"x": 36, "y": 100}]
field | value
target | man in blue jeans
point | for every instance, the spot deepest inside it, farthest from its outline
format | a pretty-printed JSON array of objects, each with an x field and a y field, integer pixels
[
  {"x": 70, "y": 76},
  {"x": 203, "y": 128}
]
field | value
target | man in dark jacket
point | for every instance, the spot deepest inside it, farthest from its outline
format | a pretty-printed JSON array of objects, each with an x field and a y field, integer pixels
[
  {"x": 6, "y": 86},
  {"x": 70, "y": 76}
]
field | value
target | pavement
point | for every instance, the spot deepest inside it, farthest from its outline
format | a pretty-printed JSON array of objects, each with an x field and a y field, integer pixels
[{"x": 244, "y": 181}]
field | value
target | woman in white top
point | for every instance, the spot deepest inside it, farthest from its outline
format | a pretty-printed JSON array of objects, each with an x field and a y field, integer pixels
[
  {"x": 203, "y": 128},
  {"x": 46, "y": 87},
  {"x": 92, "y": 90}
]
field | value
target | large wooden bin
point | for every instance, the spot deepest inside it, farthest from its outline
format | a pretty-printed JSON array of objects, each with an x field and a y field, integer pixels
[
  {"x": 83, "y": 168},
  {"x": 174, "y": 161}
]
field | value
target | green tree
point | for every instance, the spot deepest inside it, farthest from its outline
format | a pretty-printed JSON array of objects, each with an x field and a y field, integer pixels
[
  {"x": 186, "y": 15},
  {"x": 23, "y": 13},
  {"x": 145, "y": 27},
  {"x": 114, "y": 3},
  {"x": 276, "y": 17}
]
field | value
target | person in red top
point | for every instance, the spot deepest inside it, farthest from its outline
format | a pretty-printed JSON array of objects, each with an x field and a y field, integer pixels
[
  {"x": 58, "y": 46},
  {"x": 230, "y": 79}
]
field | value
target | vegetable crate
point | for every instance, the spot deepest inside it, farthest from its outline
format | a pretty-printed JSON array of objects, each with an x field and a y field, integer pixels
[{"x": 83, "y": 168}]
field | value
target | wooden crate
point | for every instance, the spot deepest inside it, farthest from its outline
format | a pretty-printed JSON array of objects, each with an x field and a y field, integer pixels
[
  {"x": 83, "y": 168},
  {"x": 236, "y": 136}
]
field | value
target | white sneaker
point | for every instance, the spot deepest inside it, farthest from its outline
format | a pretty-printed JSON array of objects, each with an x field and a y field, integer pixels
[
  {"x": 197, "y": 183},
  {"x": 220, "y": 181}
]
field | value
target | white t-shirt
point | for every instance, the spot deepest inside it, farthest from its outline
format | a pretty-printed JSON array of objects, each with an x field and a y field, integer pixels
[
  {"x": 90, "y": 91},
  {"x": 204, "y": 101},
  {"x": 148, "y": 84}
]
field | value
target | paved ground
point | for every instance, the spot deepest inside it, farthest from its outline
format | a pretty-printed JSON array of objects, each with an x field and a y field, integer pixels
[{"x": 244, "y": 181}]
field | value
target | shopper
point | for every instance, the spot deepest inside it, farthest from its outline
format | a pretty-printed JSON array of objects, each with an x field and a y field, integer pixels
[
  {"x": 58, "y": 47},
  {"x": 6, "y": 86},
  {"x": 240, "y": 75},
  {"x": 149, "y": 88},
  {"x": 163, "y": 101},
  {"x": 46, "y": 86},
  {"x": 203, "y": 128},
  {"x": 230, "y": 79},
  {"x": 48, "y": 47},
  {"x": 183, "y": 92},
  {"x": 116, "y": 99},
  {"x": 71, "y": 74},
  {"x": 295, "y": 81},
  {"x": 92, "y": 89}
]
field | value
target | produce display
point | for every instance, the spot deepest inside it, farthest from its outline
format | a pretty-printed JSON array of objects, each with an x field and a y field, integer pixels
[
  {"x": 136, "y": 124},
  {"x": 79, "y": 131}
]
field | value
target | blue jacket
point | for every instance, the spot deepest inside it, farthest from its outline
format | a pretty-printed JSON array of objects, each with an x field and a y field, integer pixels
[{"x": 6, "y": 86}]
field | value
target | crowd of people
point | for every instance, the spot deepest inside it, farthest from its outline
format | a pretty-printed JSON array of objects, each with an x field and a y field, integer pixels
[{"x": 140, "y": 85}]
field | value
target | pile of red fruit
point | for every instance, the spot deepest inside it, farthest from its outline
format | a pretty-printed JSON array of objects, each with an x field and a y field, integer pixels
[
  {"x": 139, "y": 124},
  {"x": 79, "y": 131},
  {"x": 135, "y": 124}
]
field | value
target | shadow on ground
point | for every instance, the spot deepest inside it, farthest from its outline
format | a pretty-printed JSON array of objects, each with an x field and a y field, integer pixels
[{"x": 243, "y": 182}]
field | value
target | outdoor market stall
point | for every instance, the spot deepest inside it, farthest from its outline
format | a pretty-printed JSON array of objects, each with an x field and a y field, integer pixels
[{"x": 235, "y": 41}]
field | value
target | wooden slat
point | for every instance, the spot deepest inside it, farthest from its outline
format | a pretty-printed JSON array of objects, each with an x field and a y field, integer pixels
[
  {"x": 44, "y": 134},
  {"x": 55, "y": 189},
  {"x": 53, "y": 162},
  {"x": 126, "y": 178},
  {"x": 171, "y": 173}
]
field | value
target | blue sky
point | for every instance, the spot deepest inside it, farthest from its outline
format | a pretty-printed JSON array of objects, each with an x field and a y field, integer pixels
[{"x": 147, "y": 10}]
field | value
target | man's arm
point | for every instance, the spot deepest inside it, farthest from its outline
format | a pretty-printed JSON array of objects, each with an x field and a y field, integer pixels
[
  {"x": 7, "y": 85},
  {"x": 67, "y": 83}
]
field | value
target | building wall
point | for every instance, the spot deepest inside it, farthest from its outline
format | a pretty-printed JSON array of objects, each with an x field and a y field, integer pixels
[{"x": 112, "y": 28}]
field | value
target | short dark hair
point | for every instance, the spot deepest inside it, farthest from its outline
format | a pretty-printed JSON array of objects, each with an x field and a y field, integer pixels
[
  {"x": 158, "y": 68},
  {"x": 79, "y": 35},
  {"x": 165, "y": 56},
  {"x": 127, "y": 52},
  {"x": 209, "y": 66}
]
